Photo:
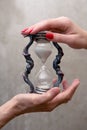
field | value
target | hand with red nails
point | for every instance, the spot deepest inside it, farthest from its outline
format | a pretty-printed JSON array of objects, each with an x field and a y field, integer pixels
[
  {"x": 27, "y": 103},
  {"x": 61, "y": 30}
]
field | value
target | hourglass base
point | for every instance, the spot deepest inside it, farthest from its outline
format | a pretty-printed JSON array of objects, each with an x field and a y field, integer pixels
[{"x": 40, "y": 90}]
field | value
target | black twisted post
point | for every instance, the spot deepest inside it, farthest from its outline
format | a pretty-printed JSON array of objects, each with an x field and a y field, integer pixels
[
  {"x": 56, "y": 63},
  {"x": 30, "y": 64}
]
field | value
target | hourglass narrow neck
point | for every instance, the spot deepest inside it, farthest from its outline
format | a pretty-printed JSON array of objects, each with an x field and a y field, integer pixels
[{"x": 43, "y": 67}]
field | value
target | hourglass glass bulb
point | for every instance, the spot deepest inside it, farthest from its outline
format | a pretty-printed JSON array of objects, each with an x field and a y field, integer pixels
[
  {"x": 43, "y": 51},
  {"x": 43, "y": 80}
]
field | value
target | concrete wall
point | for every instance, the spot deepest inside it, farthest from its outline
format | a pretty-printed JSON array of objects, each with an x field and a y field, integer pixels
[{"x": 18, "y": 14}]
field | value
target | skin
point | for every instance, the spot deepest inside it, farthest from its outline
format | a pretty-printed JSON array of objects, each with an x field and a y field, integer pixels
[
  {"x": 46, "y": 102},
  {"x": 63, "y": 31}
]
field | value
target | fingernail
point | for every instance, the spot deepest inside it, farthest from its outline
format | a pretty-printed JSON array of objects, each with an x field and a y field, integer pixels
[
  {"x": 49, "y": 36},
  {"x": 30, "y": 30},
  {"x": 27, "y": 31},
  {"x": 24, "y": 30}
]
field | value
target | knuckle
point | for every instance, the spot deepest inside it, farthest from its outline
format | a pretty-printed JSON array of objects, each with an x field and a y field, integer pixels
[
  {"x": 47, "y": 23},
  {"x": 66, "y": 20}
]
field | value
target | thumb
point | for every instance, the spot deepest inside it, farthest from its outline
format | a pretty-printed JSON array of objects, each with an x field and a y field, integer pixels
[
  {"x": 49, "y": 95},
  {"x": 57, "y": 37}
]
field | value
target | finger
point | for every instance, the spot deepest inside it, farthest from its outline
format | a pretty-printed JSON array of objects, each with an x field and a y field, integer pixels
[
  {"x": 70, "y": 91},
  {"x": 45, "y": 97},
  {"x": 54, "y": 80},
  {"x": 65, "y": 84},
  {"x": 54, "y": 25},
  {"x": 58, "y": 37},
  {"x": 27, "y": 30},
  {"x": 66, "y": 95},
  {"x": 24, "y": 30},
  {"x": 41, "y": 26},
  {"x": 46, "y": 25}
]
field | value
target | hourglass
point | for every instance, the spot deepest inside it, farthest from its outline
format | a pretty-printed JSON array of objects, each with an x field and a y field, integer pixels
[{"x": 43, "y": 50}]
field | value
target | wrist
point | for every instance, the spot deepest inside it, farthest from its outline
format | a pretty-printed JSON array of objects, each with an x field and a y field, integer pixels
[{"x": 7, "y": 112}]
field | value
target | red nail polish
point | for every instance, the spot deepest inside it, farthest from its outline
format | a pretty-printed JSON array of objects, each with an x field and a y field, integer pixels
[
  {"x": 24, "y": 30},
  {"x": 49, "y": 36},
  {"x": 30, "y": 30}
]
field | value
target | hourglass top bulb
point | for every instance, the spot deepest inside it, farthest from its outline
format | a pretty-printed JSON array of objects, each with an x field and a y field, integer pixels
[{"x": 43, "y": 53}]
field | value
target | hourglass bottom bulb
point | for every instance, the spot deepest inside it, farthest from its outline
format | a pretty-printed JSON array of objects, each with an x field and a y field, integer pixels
[{"x": 43, "y": 80}]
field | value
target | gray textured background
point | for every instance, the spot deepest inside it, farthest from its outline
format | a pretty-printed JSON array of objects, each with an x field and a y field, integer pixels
[{"x": 18, "y": 14}]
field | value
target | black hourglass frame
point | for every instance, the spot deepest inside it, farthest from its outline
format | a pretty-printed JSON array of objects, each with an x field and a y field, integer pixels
[{"x": 30, "y": 62}]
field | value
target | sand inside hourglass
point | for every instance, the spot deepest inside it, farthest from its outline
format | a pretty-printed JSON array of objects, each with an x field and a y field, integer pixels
[{"x": 43, "y": 52}]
